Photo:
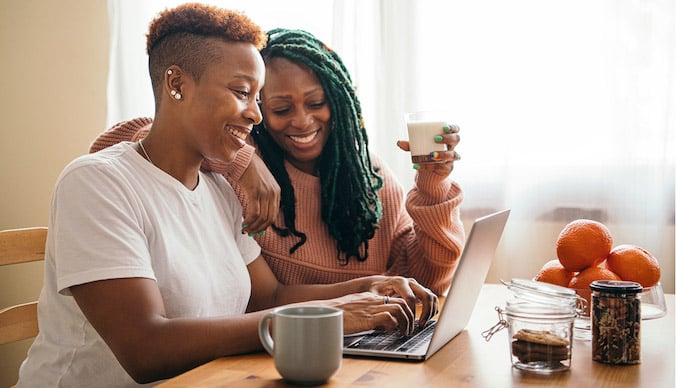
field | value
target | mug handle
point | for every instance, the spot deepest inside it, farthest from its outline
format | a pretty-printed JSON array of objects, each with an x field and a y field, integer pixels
[{"x": 264, "y": 333}]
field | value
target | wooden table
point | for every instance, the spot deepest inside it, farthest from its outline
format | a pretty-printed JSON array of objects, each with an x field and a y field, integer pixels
[{"x": 467, "y": 361}]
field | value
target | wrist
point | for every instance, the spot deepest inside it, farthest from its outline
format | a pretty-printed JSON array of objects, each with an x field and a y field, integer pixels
[
  {"x": 366, "y": 283},
  {"x": 432, "y": 185}
]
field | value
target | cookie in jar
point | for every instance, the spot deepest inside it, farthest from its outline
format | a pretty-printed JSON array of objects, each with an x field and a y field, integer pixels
[{"x": 540, "y": 322}]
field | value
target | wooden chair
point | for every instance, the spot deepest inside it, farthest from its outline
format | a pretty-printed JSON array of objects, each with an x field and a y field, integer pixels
[{"x": 20, "y": 321}]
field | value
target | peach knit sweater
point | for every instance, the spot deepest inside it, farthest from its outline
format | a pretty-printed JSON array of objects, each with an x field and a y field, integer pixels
[{"x": 419, "y": 236}]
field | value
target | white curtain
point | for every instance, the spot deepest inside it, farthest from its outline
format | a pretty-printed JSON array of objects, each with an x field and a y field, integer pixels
[
  {"x": 129, "y": 90},
  {"x": 566, "y": 108}
]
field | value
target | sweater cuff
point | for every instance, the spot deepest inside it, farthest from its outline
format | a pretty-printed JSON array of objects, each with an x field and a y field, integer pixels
[
  {"x": 241, "y": 161},
  {"x": 236, "y": 168},
  {"x": 434, "y": 187}
]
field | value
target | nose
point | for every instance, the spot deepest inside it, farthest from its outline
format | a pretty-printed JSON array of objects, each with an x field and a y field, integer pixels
[
  {"x": 301, "y": 119},
  {"x": 253, "y": 113}
]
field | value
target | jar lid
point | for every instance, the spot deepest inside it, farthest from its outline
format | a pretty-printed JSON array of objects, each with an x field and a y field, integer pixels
[
  {"x": 541, "y": 292},
  {"x": 616, "y": 286}
]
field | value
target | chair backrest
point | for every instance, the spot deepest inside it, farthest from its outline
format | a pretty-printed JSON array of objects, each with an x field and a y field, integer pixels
[{"x": 20, "y": 246}]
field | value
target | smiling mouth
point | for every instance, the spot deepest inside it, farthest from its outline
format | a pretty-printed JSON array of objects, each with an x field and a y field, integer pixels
[
  {"x": 238, "y": 133},
  {"x": 305, "y": 139}
]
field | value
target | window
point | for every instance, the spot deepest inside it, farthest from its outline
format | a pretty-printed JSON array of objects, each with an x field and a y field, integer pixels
[{"x": 566, "y": 108}]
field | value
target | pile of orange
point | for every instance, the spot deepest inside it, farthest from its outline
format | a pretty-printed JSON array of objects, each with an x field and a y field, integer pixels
[{"x": 585, "y": 253}]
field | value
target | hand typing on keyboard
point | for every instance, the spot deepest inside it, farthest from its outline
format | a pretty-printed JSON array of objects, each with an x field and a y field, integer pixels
[
  {"x": 412, "y": 293},
  {"x": 394, "y": 341},
  {"x": 389, "y": 305}
]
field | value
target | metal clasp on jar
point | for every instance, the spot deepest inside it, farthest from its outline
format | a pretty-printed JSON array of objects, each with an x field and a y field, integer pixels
[
  {"x": 502, "y": 323},
  {"x": 581, "y": 306}
]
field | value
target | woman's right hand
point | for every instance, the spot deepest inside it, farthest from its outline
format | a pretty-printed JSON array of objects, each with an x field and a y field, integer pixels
[
  {"x": 368, "y": 311},
  {"x": 443, "y": 160}
]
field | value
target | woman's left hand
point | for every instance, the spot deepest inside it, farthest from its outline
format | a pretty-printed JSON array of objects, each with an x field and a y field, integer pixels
[
  {"x": 408, "y": 289},
  {"x": 443, "y": 160},
  {"x": 263, "y": 194}
]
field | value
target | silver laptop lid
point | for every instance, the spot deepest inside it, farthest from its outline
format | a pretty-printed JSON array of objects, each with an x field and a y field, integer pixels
[
  {"x": 469, "y": 278},
  {"x": 470, "y": 274}
]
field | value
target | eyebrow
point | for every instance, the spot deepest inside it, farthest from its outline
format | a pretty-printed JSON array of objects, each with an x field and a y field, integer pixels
[
  {"x": 309, "y": 92},
  {"x": 246, "y": 77}
]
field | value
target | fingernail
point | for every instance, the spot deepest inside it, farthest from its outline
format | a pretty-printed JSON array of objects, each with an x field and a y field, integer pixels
[
  {"x": 251, "y": 234},
  {"x": 438, "y": 138},
  {"x": 434, "y": 154},
  {"x": 447, "y": 128},
  {"x": 416, "y": 166},
  {"x": 261, "y": 232}
]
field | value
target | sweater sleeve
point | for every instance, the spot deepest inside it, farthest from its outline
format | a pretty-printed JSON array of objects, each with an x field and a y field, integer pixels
[
  {"x": 232, "y": 171},
  {"x": 429, "y": 235},
  {"x": 131, "y": 130},
  {"x": 138, "y": 128}
]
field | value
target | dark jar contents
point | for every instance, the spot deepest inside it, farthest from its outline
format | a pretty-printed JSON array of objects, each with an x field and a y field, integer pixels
[{"x": 616, "y": 322}]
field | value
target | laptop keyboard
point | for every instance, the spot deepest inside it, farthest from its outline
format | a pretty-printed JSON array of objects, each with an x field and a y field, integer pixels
[{"x": 394, "y": 341}]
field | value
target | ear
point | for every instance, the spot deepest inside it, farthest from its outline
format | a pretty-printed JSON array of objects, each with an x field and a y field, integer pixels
[{"x": 173, "y": 82}]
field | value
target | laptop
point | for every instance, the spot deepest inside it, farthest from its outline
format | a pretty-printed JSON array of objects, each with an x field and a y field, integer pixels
[{"x": 468, "y": 279}]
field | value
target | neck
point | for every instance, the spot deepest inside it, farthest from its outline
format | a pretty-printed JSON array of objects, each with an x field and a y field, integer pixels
[{"x": 170, "y": 160}]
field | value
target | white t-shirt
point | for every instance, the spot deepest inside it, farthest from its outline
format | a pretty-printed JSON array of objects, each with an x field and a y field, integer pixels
[{"x": 114, "y": 215}]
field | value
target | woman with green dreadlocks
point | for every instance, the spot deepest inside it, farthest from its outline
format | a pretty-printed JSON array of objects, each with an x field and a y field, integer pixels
[{"x": 342, "y": 214}]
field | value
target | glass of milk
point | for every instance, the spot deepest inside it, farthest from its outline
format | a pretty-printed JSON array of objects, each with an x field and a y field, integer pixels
[{"x": 423, "y": 126}]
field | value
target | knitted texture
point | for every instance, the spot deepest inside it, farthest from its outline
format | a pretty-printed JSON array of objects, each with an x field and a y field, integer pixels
[
  {"x": 132, "y": 130},
  {"x": 137, "y": 129},
  {"x": 351, "y": 207},
  {"x": 427, "y": 250},
  {"x": 419, "y": 236}
]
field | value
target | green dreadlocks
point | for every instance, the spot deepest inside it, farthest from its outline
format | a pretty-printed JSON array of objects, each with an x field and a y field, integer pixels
[{"x": 350, "y": 206}]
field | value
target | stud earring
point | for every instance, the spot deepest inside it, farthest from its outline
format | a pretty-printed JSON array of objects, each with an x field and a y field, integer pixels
[
  {"x": 175, "y": 94},
  {"x": 170, "y": 72}
]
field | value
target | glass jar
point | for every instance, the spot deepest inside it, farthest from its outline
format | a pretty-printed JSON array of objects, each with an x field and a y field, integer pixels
[
  {"x": 616, "y": 321},
  {"x": 540, "y": 320}
]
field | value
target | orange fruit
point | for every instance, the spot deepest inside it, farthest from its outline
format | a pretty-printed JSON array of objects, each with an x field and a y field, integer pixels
[
  {"x": 583, "y": 243},
  {"x": 581, "y": 281},
  {"x": 635, "y": 264},
  {"x": 553, "y": 272}
]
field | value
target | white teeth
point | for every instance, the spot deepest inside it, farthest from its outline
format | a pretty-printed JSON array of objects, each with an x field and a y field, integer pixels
[
  {"x": 304, "y": 139},
  {"x": 238, "y": 134}
]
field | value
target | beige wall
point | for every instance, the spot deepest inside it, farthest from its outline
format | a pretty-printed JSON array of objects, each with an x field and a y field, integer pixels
[{"x": 52, "y": 105}]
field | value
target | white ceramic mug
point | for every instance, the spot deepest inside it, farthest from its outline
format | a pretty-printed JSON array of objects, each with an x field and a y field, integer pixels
[
  {"x": 422, "y": 127},
  {"x": 306, "y": 342}
]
